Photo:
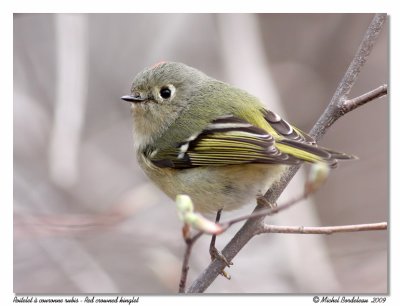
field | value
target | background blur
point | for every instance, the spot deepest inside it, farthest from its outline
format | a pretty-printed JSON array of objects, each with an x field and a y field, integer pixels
[{"x": 86, "y": 219}]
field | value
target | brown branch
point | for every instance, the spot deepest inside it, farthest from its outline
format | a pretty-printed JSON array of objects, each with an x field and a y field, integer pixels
[
  {"x": 267, "y": 211},
  {"x": 185, "y": 264},
  {"x": 354, "y": 103},
  {"x": 333, "y": 111},
  {"x": 327, "y": 230},
  {"x": 330, "y": 115}
]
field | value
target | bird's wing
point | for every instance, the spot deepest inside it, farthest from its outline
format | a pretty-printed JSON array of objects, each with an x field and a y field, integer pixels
[
  {"x": 284, "y": 130},
  {"x": 298, "y": 143},
  {"x": 229, "y": 140}
]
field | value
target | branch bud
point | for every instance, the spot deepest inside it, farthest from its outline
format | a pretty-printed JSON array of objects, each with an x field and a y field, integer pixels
[
  {"x": 184, "y": 205},
  {"x": 318, "y": 174},
  {"x": 186, "y": 213}
]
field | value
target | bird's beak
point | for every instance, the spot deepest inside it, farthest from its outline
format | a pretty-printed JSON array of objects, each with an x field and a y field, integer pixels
[{"x": 133, "y": 99}]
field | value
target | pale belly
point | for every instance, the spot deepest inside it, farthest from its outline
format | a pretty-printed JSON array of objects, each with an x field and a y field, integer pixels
[{"x": 214, "y": 188}]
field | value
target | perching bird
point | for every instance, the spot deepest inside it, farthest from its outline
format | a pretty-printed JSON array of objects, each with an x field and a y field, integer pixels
[{"x": 218, "y": 144}]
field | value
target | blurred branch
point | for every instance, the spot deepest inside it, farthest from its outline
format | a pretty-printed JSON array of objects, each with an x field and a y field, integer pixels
[
  {"x": 267, "y": 228},
  {"x": 71, "y": 98},
  {"x": 330, "y": 115}
]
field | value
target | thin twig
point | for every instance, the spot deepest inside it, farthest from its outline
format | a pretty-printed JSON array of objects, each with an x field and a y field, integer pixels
[
  {"x": 354, "y": 103},
  {"x": 332, "y": 112},
  {"x": 185, "y": 264},
  {"x": 327, "y": 230},
  {"x": 267, "y": 211},
  {"x": 330, "y": 115}
]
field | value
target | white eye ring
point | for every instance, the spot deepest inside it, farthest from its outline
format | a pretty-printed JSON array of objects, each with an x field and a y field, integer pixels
[{"x": 166, "y": 92}]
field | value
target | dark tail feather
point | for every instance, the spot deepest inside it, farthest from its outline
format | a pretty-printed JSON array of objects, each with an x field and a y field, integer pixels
[{"x": 338, "y": 155}]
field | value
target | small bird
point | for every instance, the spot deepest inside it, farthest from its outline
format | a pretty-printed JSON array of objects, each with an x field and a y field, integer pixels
[{"x": 201, "y": 137}]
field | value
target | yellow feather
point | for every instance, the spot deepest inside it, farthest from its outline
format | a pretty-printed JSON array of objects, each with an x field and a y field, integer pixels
[
  {"x": 255, "y": 116},
  {"x": 301, "y": 154}
]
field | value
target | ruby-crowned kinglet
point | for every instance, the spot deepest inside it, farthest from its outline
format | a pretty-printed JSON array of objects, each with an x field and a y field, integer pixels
[{"x": 218, "y": 144}]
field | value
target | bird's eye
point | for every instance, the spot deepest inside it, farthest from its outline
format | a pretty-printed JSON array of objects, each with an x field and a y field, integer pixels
[{"x": 165, "y": 93}]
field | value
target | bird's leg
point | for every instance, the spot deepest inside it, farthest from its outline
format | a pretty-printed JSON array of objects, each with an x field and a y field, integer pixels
[{"x": 215, "y": 254}]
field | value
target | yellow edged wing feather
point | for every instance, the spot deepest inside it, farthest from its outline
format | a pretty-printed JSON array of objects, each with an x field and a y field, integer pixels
[{"x": 229, "y": 140}]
